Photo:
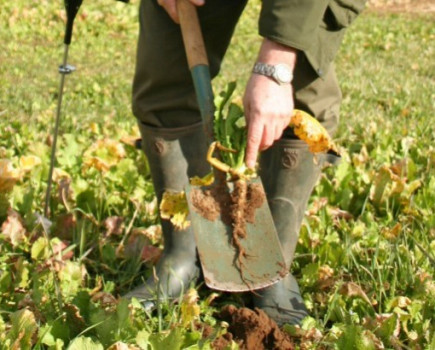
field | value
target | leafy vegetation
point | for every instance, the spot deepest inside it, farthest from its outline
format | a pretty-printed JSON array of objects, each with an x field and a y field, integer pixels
[{"x": 365, "y": 258}]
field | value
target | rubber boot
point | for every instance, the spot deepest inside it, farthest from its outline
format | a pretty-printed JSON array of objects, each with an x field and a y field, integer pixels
[
  {"x": 174, "y": 155},
  {"x": 289, "y": 173}
]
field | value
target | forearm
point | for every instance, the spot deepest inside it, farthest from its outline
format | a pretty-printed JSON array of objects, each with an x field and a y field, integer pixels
[{"x": 274, "y": 53}]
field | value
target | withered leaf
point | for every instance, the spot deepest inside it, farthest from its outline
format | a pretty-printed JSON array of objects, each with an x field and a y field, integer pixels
[
  {"x": 13, "y": 228},
  {"x": 352, "y": 289}
]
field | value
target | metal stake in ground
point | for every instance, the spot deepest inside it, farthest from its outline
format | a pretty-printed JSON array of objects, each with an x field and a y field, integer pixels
[{"x": 71, "y": 7}]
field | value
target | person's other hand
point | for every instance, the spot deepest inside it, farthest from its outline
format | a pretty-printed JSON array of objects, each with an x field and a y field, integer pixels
[
  {"x": 268, "y": 105},
  {"x": 171, "y": 7}
]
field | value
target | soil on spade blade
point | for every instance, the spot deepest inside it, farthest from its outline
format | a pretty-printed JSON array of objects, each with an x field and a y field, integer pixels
[
  {"x": 235, "y": 208},
  {"x": 251, "y": 330},
  {"x": 216, "y": 201}
]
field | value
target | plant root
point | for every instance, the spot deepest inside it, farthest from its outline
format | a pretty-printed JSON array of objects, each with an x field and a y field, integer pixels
[{"x": 245, "y": 200}]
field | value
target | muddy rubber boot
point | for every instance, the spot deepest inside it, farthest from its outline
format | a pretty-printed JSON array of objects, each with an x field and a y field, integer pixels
[
  {"x": 174, "y": 155},
  {"x": 289, "y": 173}
]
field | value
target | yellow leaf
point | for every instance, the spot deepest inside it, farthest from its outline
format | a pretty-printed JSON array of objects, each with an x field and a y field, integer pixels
[
  {"x": 392, "y": 233},
  {"x": 361, "y": 158},
  {"x": 8, "y": 175},
  {"x": 411, "y": 188},
  {"x": 210, "y": 298},
  {"x": 97, "y": 163},
  {"x": 207, "y": 180},
  {"x": 94, "y": 128},
  {"x": 104, "y": 154},
  {"x": 400, "y": 302},
  {"x": 189, "y": 307},
  {"x": 153, "y": 233},
  {"x": 27, "y": 163},
  {"x": 174, "y": 207},
  {"x": 59, "y": 174},
  {"x": 115, "y": 148},
  {"x": 383, "y": 177},
  {"x": 309, "y": 129}
]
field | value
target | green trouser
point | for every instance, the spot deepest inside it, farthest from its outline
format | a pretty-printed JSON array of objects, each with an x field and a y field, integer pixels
[{"x": 164, "y": 98}]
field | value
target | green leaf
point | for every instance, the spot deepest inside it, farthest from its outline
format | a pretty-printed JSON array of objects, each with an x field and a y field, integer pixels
[
  {"x": 23, "y": 328},
  {"x": 26, "y": 203},
  {"x": 71, "y": 151},
  {"x": 191, "y": 339},
  {"x": 88, "y": 201},
  {"x": 124, "y": 174},
  {"x": 228, "y": 129},
  {"x": 353, "y": 338},
  {"x": 308, "y": 323},
  {"x": 173, "y": 340},
  {"x": 22, "y": 273},
  {"x": 70, "y": 277},
  {"x": 310, "y": 274},
  {"x": 5, "y": 281},
  {"x": 123, "y": 312},
  {"x": 388, "y": 328},
  {"x": 106, "y": 325},
  {"x": 46, "y": 336},
  {"x": 2, "y": 330},
  {"x": 83, "y": 301},
  {"x": 40, "y": 249},
  {"x": 142, "y": 339},
  {"x": 108, "y": 252},
  {"x": 85, "y": 343},
  {"x": 60, "y": 345},
  {"x": 432, "y": 343}
]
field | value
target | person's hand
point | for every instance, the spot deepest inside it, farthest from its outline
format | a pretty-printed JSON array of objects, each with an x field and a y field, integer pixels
[
  {"x": 268, "y": 105},
  {"x": 171, "y": 7},
  {"x": 268, "y": 109}
]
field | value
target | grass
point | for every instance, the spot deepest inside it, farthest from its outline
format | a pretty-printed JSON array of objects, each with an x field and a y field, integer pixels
[{"x": 365, "y": 257}]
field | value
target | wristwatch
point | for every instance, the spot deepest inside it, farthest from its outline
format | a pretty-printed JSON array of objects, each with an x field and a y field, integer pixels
[{"x": 281, "y": 72}]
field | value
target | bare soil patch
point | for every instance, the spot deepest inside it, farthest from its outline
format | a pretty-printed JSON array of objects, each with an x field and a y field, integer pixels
[{"x": 252, "y": 330}]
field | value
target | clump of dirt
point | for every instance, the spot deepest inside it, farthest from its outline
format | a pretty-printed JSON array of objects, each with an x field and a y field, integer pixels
[
  {"x": 205, "y": 204},
  {"x": 256, "y": 198},
  {"x": 252, "y": 330},
  {"x": 212, "y": 201}
]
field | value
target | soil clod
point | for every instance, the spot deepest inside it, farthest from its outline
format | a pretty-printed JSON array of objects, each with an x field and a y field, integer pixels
[{"x": 252, "y": 330}]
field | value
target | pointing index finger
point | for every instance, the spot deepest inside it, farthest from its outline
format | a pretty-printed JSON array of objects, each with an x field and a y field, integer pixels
[{"x": 255, "y": 135}]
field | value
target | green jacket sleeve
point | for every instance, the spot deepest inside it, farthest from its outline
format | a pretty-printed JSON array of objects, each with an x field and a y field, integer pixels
[
  {"x": 315, "y": 27},
  {"x": 291, "y": 22}
]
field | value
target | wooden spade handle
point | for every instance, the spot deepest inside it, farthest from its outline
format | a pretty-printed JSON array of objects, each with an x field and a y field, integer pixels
[{"x": 192, "y": 35}]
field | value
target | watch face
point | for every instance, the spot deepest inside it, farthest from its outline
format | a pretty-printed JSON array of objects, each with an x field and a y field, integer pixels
[{"x": 283, "y": 73}]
